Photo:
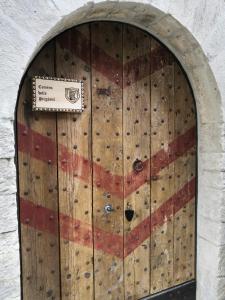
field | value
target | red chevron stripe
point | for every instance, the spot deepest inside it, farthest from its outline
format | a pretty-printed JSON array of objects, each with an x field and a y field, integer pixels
[
  {"x": 102, "y": 60},
  {"x": 44, "y": 219},
  {"x": 28, "y": 140},
  {"x": 169, "y": 208},
  {"x": 160, "y": 160},
  {"x": 36, "y": 145}
]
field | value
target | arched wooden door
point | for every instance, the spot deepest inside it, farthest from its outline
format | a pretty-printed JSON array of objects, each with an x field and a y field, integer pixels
[{"x": 131, "y": 151}]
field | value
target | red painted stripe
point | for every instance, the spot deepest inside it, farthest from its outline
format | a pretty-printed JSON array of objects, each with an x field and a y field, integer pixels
[
  {"x": 176, "y": 149},
  {"x": 138, "y": 67},
  {"x": 101, "y": 62},
  {"x": 36, "y": 145},
  {"x": 113, "y": 184},
  {"x": 75, "y": 163},
  {"x": 81, "y": 167},
  {"x": 145, "y": 65},
  {"x": 38, "y": 217},
  {"x": 169, "y": 208},
  {"x": 82, "y": 233},
  {"x": 46, "y": 220},
  {"x": 161, "y": 160},
  {"x": 79, "y": 44}
]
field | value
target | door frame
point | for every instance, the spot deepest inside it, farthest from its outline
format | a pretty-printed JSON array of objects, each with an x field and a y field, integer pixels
[
  {"x": 209, "y": 113},
  {"x": 187, "y": 288}
]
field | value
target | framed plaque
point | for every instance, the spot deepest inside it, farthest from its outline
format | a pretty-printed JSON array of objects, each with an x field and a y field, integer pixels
[{"x": 57, "y": 94}]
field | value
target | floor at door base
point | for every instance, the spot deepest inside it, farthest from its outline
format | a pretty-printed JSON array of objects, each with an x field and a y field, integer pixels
[{"x": 185, "y": 291}]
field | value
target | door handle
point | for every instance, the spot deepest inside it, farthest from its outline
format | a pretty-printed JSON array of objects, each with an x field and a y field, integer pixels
[{"x": 108, "y": 208}]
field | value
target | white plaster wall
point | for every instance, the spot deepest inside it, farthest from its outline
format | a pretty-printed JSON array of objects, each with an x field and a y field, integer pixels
[{"x": 24, "y": 25}]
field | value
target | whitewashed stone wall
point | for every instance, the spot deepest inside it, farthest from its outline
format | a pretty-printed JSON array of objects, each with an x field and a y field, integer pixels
[{"x": 25, "y": 25}]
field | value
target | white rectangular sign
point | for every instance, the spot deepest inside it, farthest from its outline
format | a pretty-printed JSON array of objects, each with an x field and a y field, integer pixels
[{"x": 57, "y": 94}]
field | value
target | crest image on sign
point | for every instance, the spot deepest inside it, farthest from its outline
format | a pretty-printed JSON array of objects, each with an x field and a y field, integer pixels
[
  {"x": 57, "y": 94},
  {"x": 72, "y": 94}
]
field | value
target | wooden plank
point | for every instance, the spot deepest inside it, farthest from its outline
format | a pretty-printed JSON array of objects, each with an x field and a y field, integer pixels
[
  {"x": 75, "y": 195},
  {"x": 38, "y": 184},
  {"x": 106, "y": 45},
  {"x": 162, "y": 184},
  {"x": 184, "y": 226},
  {"x": 136, "y": 146}
]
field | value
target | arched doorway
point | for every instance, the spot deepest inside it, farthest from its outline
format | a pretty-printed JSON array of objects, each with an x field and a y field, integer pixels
[{"x": 132, "y": 149}]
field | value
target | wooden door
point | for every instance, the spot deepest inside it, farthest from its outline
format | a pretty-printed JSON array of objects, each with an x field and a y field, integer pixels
[{"x": 131, "y": 151}]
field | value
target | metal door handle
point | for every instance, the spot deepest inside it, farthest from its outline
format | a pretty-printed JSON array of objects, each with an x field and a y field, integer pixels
[{"x": 108, "y": 208}]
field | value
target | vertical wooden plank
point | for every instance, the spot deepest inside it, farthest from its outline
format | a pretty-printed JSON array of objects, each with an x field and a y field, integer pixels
[
  {"x": 75, "y": 193},
  {"x": 106, "y": 46},
  {"x": 162, "y": 179},
  {"x": 38, "y": 188},
  {"x": 184, "y": 226},
  {"x": 136, "y": 146}
]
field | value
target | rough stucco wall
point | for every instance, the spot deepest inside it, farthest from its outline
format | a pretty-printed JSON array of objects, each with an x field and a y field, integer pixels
[{"x": 24, "y": 24}]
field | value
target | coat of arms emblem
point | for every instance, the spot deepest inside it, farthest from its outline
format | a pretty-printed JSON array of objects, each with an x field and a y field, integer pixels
[{"x": 72, "y": 94}]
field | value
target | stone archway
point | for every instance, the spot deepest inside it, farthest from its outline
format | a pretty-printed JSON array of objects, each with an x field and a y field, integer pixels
[
  {"x": 210, "y": 123},
  {"x": 210, "y": 240}
]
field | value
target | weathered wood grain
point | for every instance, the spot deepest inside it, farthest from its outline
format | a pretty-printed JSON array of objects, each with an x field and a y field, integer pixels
[
  {"x": 75, "y": 196},
  {"x": 38, "y": 183},
  {"x": 107, "y": 151},
  {"x": 162, "y": 184},
  {"x": 185, "y": 169},
  {"x": 136, "y": 146}
]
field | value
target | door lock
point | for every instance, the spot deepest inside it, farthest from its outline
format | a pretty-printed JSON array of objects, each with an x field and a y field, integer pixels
[
  {"x": 108, "y": 208},
  {"x": 129, "y": 212},
  {"x": 138, "y": 166}
]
